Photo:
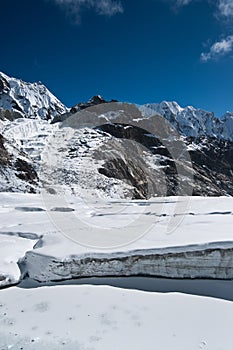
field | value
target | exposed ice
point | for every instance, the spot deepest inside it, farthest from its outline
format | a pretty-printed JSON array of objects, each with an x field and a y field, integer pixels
[{"x": 71, "y": 237}]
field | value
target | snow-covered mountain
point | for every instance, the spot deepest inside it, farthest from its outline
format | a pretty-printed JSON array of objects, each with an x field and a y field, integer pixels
[
  {"x": 101, "y": 162},
  {"x": 31, "y": 100},
  {"x": 98, "y": 160},
  {"x": 193, "y": 122},
  {"x": 34, "y": 100}
]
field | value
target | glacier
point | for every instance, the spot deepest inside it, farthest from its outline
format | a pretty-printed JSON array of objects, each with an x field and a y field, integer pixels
[{"x": 166, "y": 237}]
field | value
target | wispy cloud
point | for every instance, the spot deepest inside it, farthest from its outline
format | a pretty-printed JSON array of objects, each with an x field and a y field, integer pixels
[
  {"x": 218, "y": 49},
  {"x": 183, "y": 2},
  {"x": 102, "y": 7},
  {"x": 223, "y": 12},
  {"x": 176, "y": 5},
  {"x": 225, "y": 8}
]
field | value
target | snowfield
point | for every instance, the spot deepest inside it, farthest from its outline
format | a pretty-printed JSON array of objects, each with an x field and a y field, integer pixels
[
  {"x": 51, "y": 238},
  {"x": 171, "y": 237},
  {"x": 101, "y": 318}
]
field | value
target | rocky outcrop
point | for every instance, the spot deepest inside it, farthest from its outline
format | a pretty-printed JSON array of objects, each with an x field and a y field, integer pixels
[
  {"x": 95, "y": 100},
  {"x": 17, "y": 172},
  {"x": 211, "y": 164},
  {"x": 6, "y": 114}
]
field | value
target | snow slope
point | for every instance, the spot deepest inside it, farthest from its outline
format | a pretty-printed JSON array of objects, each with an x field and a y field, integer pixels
[
  {"x": 31, "y": 100},
  {"x": 103, "y": 318}
]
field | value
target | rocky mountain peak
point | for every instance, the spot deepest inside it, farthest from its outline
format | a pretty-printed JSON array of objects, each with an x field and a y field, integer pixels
[{"x": 95, "y": 100}]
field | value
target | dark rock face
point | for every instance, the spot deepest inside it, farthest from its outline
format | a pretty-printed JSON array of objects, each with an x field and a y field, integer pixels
[
  {"x": 4, "y": 156},
  {"x": 24, "y": 170},
  {"x": 6, "y": 114},
  {"x": 211, "y": 161},
  {"x": 132, "y": 167},
  {"x": 95, "y": 100},
  {"x": 4, "y": 85},
  {"x": 213, "y": 165},
  {"x": 130, "y": 172}
]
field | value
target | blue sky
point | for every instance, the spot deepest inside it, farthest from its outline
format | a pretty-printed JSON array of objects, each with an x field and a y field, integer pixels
[{"x": 130, "y": 50}]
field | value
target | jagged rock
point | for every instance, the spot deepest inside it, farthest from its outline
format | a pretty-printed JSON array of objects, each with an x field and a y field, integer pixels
[
  {"x": 211, "y": 162},
  {"x": 30, "y": 100},
  {"x": 6, "y": 114},
  {"x": 95, "y": 100}
]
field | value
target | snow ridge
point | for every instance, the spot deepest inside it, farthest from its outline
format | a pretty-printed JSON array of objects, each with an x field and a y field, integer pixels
[
  {"x": 31, "y": 100},
  {"x": 192, "y": 122}
]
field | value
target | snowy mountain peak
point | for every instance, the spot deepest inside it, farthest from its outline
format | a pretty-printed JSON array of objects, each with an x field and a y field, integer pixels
[
  {"x": 31, "y": 100},
  {"x": 172, "y": 106},
  {"x": 193, "y": 122}
]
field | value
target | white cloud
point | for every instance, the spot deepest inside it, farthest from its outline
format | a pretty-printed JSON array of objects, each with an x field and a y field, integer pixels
[
  {"x": 218, "y": 49},
  {"x": 225, "y": 8},
  {"x": 223, "y": 11},
  {"x": 102, "y": 7}
]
